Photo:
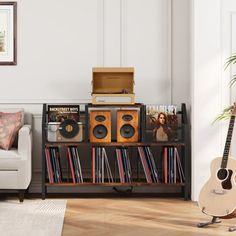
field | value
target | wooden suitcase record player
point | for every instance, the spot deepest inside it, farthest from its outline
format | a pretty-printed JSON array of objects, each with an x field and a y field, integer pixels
[{"x": 113, "y": 85}]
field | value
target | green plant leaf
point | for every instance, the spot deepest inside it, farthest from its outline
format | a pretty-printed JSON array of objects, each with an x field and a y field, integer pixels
[
  {"x": 225, "y": 115},
  {"x": 227, "y": 112},
  {"x": 233, "y": 80},
  {"x": 230, "y": 60}
]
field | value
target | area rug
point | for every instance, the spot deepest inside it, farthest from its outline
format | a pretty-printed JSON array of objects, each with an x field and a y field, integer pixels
[{"x": 32, "y": 217}]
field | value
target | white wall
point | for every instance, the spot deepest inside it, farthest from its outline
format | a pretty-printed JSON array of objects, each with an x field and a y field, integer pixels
[
  {"x": 59, "y": 43},
  {"x": 180, "y": 69},
  {"x": 56, "y": 51},
  {"x": 206, "y": 91}
]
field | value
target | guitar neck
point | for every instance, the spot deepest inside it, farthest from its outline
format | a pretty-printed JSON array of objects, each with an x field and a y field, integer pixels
[{"x": 228, "y": 143}]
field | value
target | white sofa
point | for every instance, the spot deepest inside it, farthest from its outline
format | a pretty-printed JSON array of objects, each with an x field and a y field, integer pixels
[{"x": 16, "y": 163}]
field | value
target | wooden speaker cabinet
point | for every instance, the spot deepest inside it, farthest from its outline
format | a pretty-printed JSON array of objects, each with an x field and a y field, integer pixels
[
  {"x": 127, "y": 126},
  {"x": 100, "y": 126}
]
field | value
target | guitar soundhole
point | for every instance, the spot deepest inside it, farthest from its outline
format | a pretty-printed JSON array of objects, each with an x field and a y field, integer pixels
[
  {"x": 226, "y": 184},
  {"x": 222, "y": 174}
]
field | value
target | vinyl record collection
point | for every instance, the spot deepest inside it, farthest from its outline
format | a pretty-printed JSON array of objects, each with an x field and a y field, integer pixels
[
  {"x": 173, "y": 170},
  {"x": 100, "y": 164},
  {"x": 74, "y": 162},
  {"x": 148, "y": 164},
  {"x": 102, "y": 171},
  {"x": 124, "y": 166},
  {"x": 53, "y": 165}
]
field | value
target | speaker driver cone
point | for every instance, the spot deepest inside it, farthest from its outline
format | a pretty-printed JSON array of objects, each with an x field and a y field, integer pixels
[
  {"x": 69, "y": 128},
  {"x": 100, "y": 118},
  {"x": 127, "y": 131},
  {"x": 127, "y": 117},
  {"x": 100, "y": 131}
]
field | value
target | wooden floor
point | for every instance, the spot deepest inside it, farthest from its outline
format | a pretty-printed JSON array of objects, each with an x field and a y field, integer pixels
[{"x": 138, "y": 217}]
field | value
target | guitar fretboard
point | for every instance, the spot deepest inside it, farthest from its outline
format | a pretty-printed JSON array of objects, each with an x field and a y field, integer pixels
[{"x": 228, "y": 142}]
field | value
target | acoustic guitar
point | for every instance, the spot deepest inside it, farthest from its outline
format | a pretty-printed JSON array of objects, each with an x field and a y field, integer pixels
[{"x": 218, "y": 196}]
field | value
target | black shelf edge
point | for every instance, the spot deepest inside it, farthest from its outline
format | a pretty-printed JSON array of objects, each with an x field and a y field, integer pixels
[
  {"x": 52, "y": 144},
  {"x": 115, "y": 184}
]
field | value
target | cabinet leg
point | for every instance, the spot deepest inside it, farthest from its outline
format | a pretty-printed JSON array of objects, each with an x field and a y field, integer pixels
[
  {"x": 186, "y": 197},
  {"x": 43, "y": 193},
  {"x": 21, "y": 195}
]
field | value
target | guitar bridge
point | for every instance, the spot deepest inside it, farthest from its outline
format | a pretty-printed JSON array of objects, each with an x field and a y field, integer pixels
[{"x": 218, "y": 191}]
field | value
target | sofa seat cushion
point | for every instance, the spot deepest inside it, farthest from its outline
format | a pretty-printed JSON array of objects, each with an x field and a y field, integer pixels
[
  {"x": 10, "y": 160},
  {"x": 9, "y": 179}
]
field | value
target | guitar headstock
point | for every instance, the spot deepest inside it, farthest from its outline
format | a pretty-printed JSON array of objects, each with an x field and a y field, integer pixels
[{"x": 233, "y": 109}]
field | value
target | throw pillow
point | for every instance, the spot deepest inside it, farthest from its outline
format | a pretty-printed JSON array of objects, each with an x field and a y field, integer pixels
[
  {"x": 13, "y": 110},
  {"x": 10, "y": 123}
]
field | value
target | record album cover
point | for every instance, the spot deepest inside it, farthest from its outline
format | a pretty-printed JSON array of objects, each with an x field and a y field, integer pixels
[
  {"x": 161, "y": 123},
  {"x": 59, "y": 113}
]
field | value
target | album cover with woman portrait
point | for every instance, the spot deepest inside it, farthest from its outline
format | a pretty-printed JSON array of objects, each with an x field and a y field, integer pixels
[{"x": 161, "y": 123}]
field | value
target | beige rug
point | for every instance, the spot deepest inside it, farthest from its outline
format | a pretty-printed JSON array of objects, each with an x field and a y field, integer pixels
[{"x": 32, "y": 217}]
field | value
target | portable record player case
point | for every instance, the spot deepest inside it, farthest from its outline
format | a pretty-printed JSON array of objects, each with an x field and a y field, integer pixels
[{"x": 113, "y": 85}]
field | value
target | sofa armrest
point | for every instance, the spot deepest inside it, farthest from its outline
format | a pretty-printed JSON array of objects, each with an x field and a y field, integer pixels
[{"x": 25, "y": 141}]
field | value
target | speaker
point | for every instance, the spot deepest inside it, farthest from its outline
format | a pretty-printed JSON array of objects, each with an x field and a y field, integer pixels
[
  {"x": 100, "y": 126},
  {"x": 127, "y": 126}
]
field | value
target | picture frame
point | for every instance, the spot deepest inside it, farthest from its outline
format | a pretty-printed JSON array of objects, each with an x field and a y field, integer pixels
[{"x": 8, "y": 33}]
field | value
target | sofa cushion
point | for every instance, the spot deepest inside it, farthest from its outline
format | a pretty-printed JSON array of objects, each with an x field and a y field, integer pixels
[
  {"x": 14, "y": 110},
  {"x": 12, "y": 179},
  {"x": 10, "y": 124}
]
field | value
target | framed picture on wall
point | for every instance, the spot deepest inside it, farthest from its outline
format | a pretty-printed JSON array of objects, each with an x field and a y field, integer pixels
[{"x": 8, "y": 20}]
